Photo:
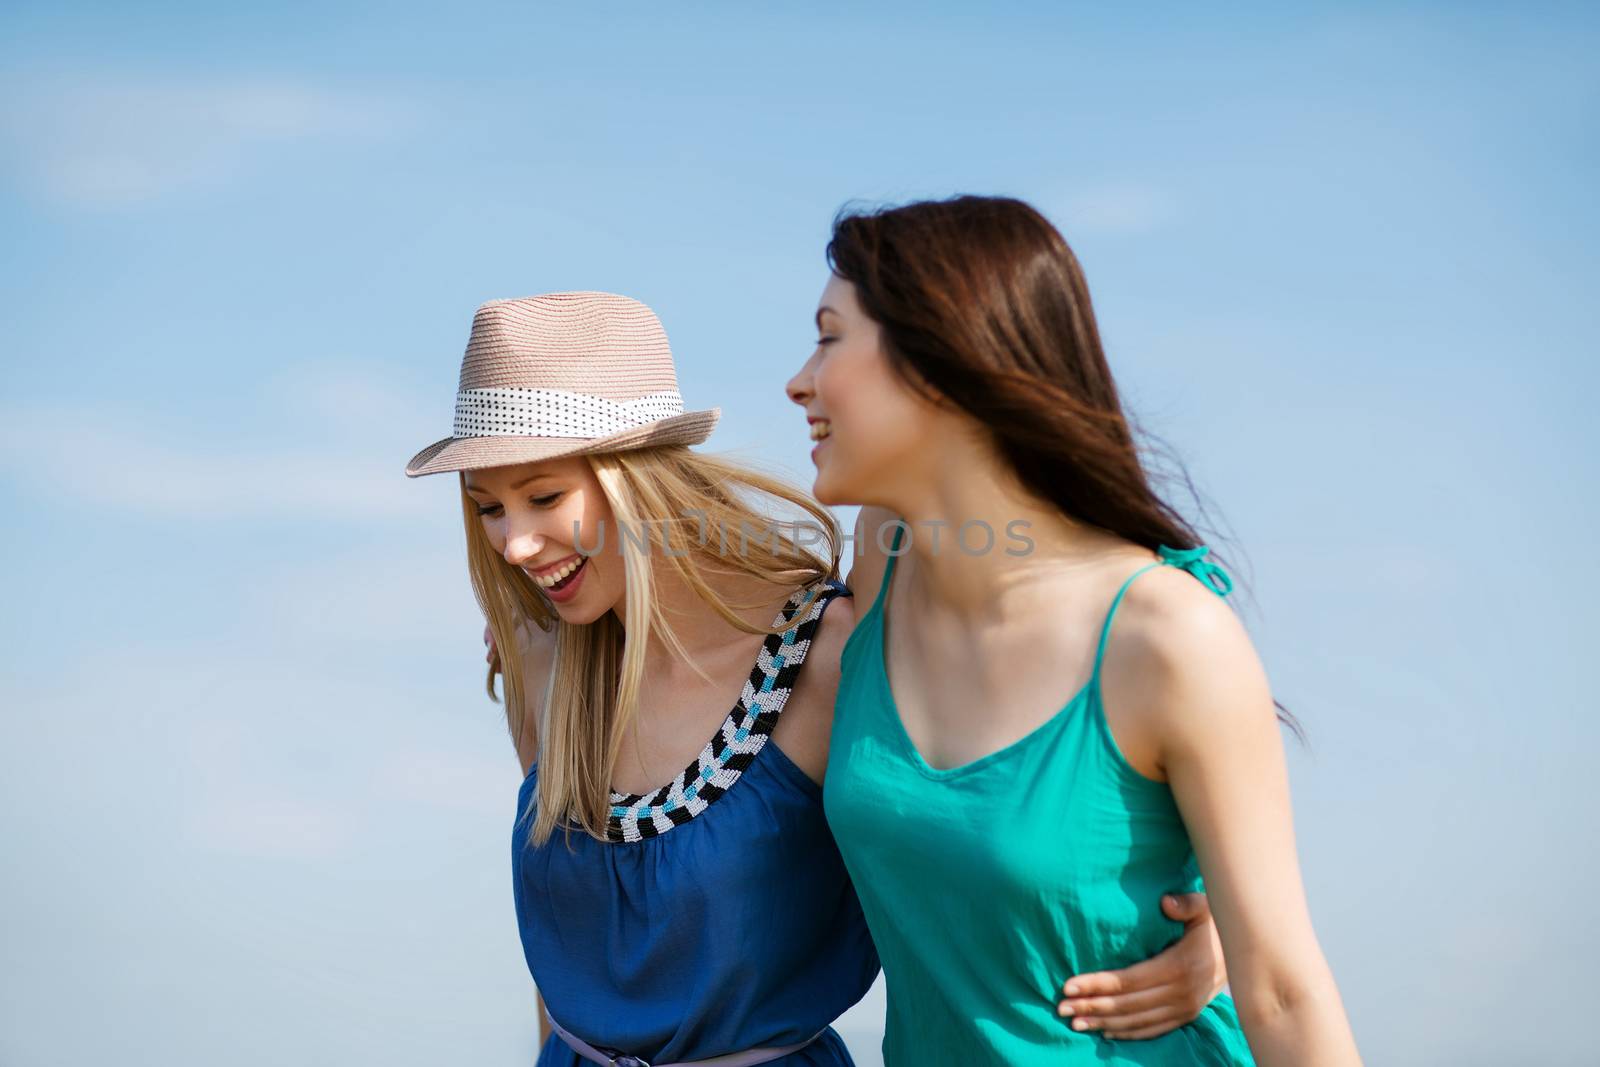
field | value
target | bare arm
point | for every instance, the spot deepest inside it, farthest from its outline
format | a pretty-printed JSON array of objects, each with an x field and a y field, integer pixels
[
  {"x": 1197, "y": 697},
  {"x": 536, "y": 658}
]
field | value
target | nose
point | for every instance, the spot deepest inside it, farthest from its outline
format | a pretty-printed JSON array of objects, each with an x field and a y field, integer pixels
[
  {"x": 523, "y": 542},
  {"x": 800, "y": 387}
]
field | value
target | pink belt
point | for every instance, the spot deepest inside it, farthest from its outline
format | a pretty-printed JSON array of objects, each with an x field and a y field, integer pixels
[{"x": 748, "y": 1058}]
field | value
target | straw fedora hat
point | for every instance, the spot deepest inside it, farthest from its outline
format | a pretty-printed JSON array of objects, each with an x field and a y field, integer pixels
[{"x": 563, "y": 374}]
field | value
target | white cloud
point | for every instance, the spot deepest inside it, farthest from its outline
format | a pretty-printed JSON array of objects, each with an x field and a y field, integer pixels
[{"x": 110, "y": 144}]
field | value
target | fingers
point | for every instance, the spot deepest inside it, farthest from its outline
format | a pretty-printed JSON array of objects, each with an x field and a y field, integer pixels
[
  {"x": 1115, "y": 1006},
  {"x": 1161, "y": 969},
  {"x": 1158, "y": 994},
  {"x": 1145, "y": 1012},
  {"x": 1186, "y": 907},
  {"x": 1167, "y": 990},
  {"x": 1151, "y": 1022},
  {"x": 1153, "y": 1029}
]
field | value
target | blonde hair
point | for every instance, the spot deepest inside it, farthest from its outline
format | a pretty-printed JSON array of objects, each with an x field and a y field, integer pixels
[{"x": 683, "y": 504}]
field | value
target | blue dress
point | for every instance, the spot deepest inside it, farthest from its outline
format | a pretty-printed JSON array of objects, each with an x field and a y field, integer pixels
[{"x": 719, "y": 916}]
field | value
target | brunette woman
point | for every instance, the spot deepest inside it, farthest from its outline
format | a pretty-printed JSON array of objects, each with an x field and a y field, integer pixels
[{"x": 1047, "y": 717}]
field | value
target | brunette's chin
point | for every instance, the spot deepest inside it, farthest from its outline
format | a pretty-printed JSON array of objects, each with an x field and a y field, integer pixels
[
  {"x": 821, "y": 486},
  {"x": 827, "y": 487}
]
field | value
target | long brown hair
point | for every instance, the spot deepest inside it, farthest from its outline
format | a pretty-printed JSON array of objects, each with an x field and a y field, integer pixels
[{"x": 983, "y": 305}]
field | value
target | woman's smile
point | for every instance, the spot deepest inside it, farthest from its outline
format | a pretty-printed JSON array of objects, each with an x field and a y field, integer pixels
[
  {"x": 561, "y": 582},
  {"x": 821, "y": 430}
]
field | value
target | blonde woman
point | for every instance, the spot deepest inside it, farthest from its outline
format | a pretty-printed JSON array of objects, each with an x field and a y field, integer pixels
[{"x": 680, "y": 900}]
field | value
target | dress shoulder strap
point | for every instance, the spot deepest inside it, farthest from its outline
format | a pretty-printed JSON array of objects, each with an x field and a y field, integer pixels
[
  {"x": 888, "y": 568},
  {"x": 807, "y": 617},
  {"x": 1188, "y": 559},
  {"x": 743, "y": 733}
]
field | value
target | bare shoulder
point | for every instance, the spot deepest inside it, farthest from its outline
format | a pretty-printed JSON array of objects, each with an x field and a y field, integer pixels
[
  {"x": 827, "y": 642},
  {"x": 1179, "y": 664},
  {"x": 869, "y": 553},
  {"x": 537, "y": 646},
  {"x": 803, "y": 729},
  {"x": 1168, "y": 605}
]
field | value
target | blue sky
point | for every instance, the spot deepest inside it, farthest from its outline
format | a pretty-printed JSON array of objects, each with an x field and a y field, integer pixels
[{"x": 255, "y": 806}]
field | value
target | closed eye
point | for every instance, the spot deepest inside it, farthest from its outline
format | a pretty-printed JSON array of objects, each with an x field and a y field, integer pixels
[{"x": 545, "y": 501}]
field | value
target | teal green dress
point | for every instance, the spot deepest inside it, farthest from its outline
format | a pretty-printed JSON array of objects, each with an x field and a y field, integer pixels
[{"x": 987, "y": 885}]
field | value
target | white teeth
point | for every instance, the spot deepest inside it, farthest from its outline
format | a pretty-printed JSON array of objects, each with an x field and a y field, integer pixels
[
  {"x": 820, "y": 429},
  {"x": 545, "y": 581}
]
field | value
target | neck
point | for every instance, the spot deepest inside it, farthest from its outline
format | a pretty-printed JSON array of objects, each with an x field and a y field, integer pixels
[
  {"x": 698, "y": 626},
  {"x": 970, "y": 523}
]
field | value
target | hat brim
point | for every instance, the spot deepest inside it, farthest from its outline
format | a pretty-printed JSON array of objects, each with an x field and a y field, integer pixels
[{"x": 475, "y": 453}]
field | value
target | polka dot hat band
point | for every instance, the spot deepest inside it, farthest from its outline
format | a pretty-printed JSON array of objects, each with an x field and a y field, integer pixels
[{"x": 563, "y": 374}]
